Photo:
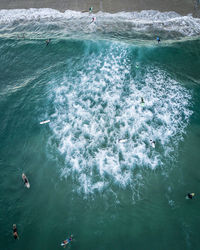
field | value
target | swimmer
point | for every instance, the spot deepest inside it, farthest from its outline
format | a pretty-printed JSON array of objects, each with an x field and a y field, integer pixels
[
  {"x": 67, "y": 241},
  {"x": 48, "y": 41},
  {"x": 15, "y": 234},
  {"x": 153, "y": 143},
  {"x": 142, "y": 100},
  {"x": 158, "y": 39},
  {"x": 190, "y": 195}
]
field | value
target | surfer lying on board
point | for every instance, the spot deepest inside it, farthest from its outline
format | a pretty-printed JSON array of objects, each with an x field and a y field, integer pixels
[
  {"x": 190, "y": 195},
  {"x": 15, "y": 234},
  {"x": 67, "y": 241},
  {"x": 25, "y": 180}
]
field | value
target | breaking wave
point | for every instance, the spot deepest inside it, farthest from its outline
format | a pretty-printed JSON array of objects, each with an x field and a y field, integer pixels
[
  {"x": 100, "y": 105},
  {"x": 145, "y": 25}
]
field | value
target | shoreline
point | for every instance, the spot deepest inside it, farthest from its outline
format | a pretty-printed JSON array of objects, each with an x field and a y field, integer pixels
[{"x": 182, "y": 7}]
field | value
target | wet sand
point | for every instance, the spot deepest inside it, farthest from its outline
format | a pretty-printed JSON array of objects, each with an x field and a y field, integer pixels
[{"x": 182, "y": 7}]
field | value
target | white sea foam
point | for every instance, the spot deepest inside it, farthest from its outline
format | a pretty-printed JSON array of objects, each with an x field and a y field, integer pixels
[
  {"x": 147, "y": 23},
  {"x": 101, "y": 105}
]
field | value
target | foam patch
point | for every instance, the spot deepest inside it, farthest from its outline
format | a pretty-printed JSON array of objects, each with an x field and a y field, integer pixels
[{"x": 101, "y": 105}]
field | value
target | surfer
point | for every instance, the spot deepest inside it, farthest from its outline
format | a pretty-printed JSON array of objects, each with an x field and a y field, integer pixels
[
  {"x": 190, "y": 195},
  {"x": 48, "y": 41},
  {"x": 67, "y": 241},
  {"x": 90, "y": 9},
  {"x": 93, "y": 19},
  {"x": 153, "y": 143},
  {"x": 25, "y": 179},
  {"x": 15, "y": 234},
  {"x": 158, "y": 39}
]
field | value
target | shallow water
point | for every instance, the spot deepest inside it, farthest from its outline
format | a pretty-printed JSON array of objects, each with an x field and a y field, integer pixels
[{"x": 89, "y": 82}]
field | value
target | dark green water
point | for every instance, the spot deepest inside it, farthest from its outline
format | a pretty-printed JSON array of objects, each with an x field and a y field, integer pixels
[{"x": 108, "y": 194}]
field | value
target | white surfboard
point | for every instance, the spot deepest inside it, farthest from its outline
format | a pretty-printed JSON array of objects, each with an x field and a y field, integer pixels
[
  {"x": 43, "y": 122},
  {"x": 122, "y": 140}
]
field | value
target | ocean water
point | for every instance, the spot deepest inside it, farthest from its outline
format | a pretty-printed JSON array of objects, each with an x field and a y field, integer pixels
[{"x": 89, "y": 81}]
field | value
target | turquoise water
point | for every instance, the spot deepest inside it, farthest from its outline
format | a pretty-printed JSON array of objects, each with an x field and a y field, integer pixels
[{"x": 89, "y": 82}]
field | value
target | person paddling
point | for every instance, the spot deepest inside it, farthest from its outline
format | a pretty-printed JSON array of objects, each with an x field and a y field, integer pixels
[
  {"x": 190, "y": 195},
  {"x": 67, "y": 241},
  {"x": 25, "y": 180},
  {"x": 15, "y": 234}
]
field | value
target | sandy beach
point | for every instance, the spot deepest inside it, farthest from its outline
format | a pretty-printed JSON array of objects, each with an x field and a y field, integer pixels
[{"x": 182, "y": 7}]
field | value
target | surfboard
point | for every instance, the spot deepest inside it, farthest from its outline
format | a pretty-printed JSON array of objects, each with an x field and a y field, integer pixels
[
  {"x": 122, "y": 140},
  {"x": 27, "y": 184},
  {"x": 153, "y": 144},
  {"x": 43, "y": 122}
]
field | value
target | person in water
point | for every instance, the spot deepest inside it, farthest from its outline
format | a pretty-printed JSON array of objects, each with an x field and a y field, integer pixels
[
  {"x": 90, "y": 9},
  {"x": 93, "y": 19},
  {"x": 158, "y": 39},
  {"x": 48, "y": 41},
  {"x": 67, "y": 241},
  {"x": 190, "y": 195},
  {"x": 15, "y": 234},
  {"x": 153, "y": 143},
  {"x": 142, "y": 100},
  {"x": 25, "y": 179}
]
